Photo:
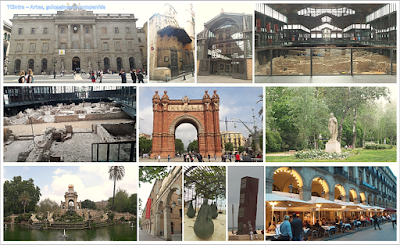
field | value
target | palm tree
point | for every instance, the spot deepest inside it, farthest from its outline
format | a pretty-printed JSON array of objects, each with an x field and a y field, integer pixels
[
  {"x": 24, "y": 198},
  {"x": 116, "y": 173}
]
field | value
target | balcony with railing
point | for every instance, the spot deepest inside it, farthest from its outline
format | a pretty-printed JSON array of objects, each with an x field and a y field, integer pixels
[
  {"x": 341, "y": 173},
  {"x": 352, "y": 179}
]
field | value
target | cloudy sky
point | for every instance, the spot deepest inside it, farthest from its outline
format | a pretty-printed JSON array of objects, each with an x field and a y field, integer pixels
[
  {"x": 207, "y": 11},
  {"x": 142, "y": 11},
  {"x": 235, "y": 102},
  {"x": 235, "y": 174},
  {"x": 90, "y": 182}
]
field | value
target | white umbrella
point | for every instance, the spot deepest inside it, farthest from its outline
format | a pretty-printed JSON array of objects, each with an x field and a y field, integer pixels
[
  {"x": 325, "y": 203},
  {"x": 283, "y": 201}
]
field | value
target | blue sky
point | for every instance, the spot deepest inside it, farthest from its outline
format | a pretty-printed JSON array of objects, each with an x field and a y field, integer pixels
[
  {"x": 142, "y": 11},
  {"x": 235, "y": 102},
  {"x": 90, "y": 182},
  {"x": 235, "y": 174}
]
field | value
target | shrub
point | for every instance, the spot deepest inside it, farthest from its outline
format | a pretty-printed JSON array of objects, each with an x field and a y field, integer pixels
[
  {"x": 122, "y": 218},
  {"x": 370, "y": 146},
  {"x": 320, "y": 154}
]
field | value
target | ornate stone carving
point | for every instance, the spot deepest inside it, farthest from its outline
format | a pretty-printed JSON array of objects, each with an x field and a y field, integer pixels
[
  {"x": 154, "y": 106},
  {"x": 165, "y": 105},
  {"x": 187, "y": 108}
]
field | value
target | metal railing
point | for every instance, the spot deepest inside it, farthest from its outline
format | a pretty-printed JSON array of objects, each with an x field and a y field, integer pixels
[
  {"x": 309, "y": 61},
  {"x": 342, "y": 173}
]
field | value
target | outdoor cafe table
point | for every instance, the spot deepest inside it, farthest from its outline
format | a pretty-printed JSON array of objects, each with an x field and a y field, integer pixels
[
  {"x": 327, "y": 229},
  {"x": 344, "y": 226}
]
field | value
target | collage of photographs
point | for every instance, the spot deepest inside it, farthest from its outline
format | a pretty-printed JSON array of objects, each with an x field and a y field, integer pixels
[{"x": 181, "y": 94}]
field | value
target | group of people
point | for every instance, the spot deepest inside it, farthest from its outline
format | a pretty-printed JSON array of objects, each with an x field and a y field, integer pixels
[
  {"x": 26, "y": 77},
  {"x": 139, "y": 76},
  {"x": 291, "y": 231},
  {"x": 95, "y": 75},
  {"x": 293, "y": 228}
]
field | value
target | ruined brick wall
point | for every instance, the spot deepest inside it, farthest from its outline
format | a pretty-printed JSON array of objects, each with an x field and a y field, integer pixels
[{"x": 249, "y": 69}]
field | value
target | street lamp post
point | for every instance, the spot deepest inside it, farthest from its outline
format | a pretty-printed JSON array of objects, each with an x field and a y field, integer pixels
[
  {"x": 54, "y": 60},
  {"x": 98, "y": 62}
]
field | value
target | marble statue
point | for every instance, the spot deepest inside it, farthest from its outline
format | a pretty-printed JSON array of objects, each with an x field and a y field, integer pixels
[{"x": 333, "y": 127}]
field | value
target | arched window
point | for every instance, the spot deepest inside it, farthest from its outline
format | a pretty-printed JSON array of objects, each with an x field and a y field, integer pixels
[
  {"x": 119, "y": 63},
  {"x": 131, "y": 63},
  {"x": 106, "y": 63},
  {"x": 44, "y": 65},
  {"x": 17, "y": 65}
]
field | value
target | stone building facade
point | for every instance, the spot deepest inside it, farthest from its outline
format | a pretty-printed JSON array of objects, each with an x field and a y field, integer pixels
[
  {"x": 70, "y": 196},
  {"x": 224, "y": 47},
  {"x": 203, "y": 114},
  {"x": 235, "y": 138},
  {"x": 76, "y": 39},
  {"x": 165, "y": 205},
  {"x": 6, "y": 45},
  {"x": 171, "y": 46},
  {"x": 373, "y": 186}
]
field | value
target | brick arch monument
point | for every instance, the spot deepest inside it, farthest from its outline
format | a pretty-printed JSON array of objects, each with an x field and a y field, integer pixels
[{"x": 203, "y": 114}]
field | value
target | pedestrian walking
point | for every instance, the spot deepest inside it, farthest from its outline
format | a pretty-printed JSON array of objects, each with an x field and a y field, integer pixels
[
  {"x": 209, "y": 158},
  {"x": 133, "y": 76},
  {"x": 140, "y": 77},
  {"x": 22, "y": 77},
  {"x": 93, "y": 77},
  {"x": 30, "y": 76},
  {"x": 376, "y": 221},
  {"x": 159, "y": 158},
  {"x": 101, "y": 76},
  {"x": 215, "y": 157},
  {"x": 393, "y": 220},
  {"x": 285, "y": 229},
  {"x": 237, "y": 157},
  {"x": 169, "y": 158},
  {"x": 123, "y": 76},
  {"x": 297, "y": 227}
]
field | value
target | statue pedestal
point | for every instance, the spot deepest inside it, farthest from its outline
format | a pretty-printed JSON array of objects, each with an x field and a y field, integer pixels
[{"x": 332, "y": 146}]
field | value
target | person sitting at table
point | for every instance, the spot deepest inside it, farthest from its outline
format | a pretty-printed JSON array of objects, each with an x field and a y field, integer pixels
[
  {"x": 333, "y": 223},
  {"x": 336, "y": 220},
  {"x": 307, "y": 224}
]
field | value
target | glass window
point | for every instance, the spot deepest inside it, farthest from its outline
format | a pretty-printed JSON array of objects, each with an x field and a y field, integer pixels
[
  {"x": 33, "y": 31},
  {"x": 117, "y": 46},
  {"x": 32, "y": 47},
  {"x": 20, "y": 30},
  {"x": 45, "y": 31},
  {"x": 75, "y": 46},
  {"x": 19, "y": 47},
  {"x": 128, "y": 30},
  {"x": 45, "y": 47},
  {"x": 87, "y": 30},
  {"x": 62, "y": 30},
  {"x": 105, "y": 46},
  {"x": 104, "y": 30},
  {"x": 116, "y": 30},
  {"x": 63, "y": 45},
  {"x": 87, "y": 45}
]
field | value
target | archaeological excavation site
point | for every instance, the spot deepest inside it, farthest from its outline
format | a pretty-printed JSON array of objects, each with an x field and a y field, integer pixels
[
  {"x": 69, "y": 124},
  {"x": 350, "y": 43}
]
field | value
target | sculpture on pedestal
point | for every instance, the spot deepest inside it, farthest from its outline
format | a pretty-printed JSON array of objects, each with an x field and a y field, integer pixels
[{"x": 333, "y": 127}]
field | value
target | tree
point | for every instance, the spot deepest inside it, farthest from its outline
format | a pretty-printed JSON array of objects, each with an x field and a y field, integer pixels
[
  {"x": 116, "y": 173},
  {"x": 208, "y": 182},
  {"x": 148, "y": 174},
  {"x": 24, "y": 198},
  {"x": 308, "y": 113},
  {"x": 121, "y": 201},
  {"x": 47, "y": 205},
  {"x": 145, "y": 145},
  {"x": 193, "y": 146},
  {"x": 228, "y": 147},
  {"x": 179, "y": 146},
  {"x": 132, "y": 204},
  {"x": 241, "y": 149},
  {"x": 89, "y": 204},
  {"x": 13, "y": 190}
]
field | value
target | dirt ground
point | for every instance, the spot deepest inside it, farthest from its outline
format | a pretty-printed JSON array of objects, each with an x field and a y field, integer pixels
[{"x": 41, "y": 127}]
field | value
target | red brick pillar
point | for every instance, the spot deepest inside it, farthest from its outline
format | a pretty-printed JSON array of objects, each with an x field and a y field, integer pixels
[
  {"x": 157, "y": 123},
  {"x": 217, "y": 132}
]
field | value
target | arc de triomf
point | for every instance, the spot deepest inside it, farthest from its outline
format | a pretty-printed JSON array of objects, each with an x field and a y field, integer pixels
[{"x": 203, "y": 114}]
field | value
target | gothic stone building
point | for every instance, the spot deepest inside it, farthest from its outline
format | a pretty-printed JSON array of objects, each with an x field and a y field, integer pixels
[
  {"x": 88, "y": 41},
  {"x": 164, "y": 206}
]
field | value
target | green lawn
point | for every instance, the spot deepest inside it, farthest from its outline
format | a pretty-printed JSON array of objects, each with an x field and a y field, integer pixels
[{"x": 364, "y": 156}]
